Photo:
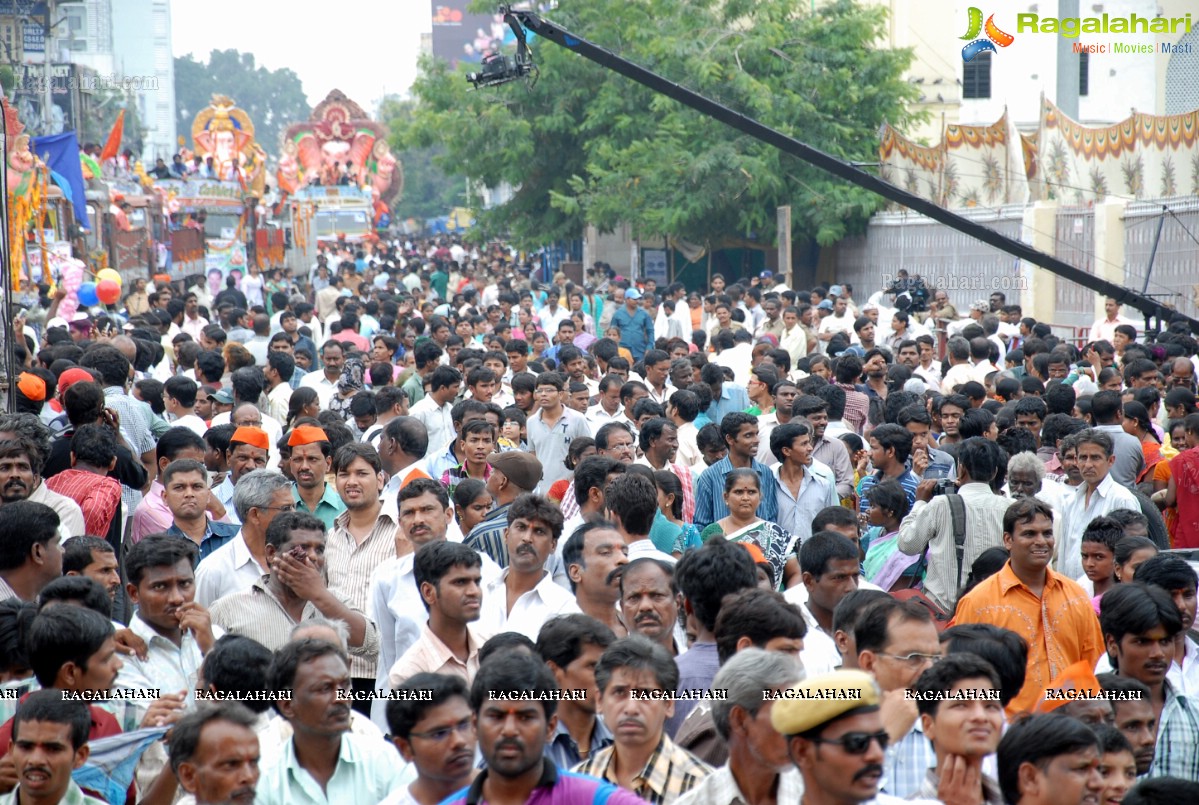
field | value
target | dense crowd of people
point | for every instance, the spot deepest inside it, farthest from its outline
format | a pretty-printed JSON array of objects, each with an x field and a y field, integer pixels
[{"x": 417, "y": 527}]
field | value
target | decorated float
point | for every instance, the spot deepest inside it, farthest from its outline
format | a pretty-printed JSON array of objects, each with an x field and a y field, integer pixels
[
  {"x": 219, "y": 203},
  {"x": 337, "y": 175}
]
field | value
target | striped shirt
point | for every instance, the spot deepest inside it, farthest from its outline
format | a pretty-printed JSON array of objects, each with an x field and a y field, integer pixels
[
  {"x": 260, "y": 616},
  {"x": 908, "y": 481},
  {"x": 488, "y": 536},
  {"x": 670, "y": 772},
  {"x": 1177, "y": 737},
  {"x": 349, "y": 564}
]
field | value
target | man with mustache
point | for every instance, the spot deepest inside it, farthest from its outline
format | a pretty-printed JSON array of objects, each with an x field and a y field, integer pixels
[
  {"x": 515, "y": 718},
  {"x": 311, "y": 458},
  {"x": 1023, "y": 589},
  {"x": 835, "y": 736},
  {"x": 636, "y": 680},
  {"x": 249, "y": 450},
  {"x": 525, "y": 596},
  {"x": 513, "y": 474},
  {"x": 1140, "y": 628},
  {"x": 594, "y": 555},
  {"x": 49, "y": 741},
  {"x": 323, "y": 761},
  {"x": 186, "y": 494},
  {"x": 20, "y": 479},
  {"x": 436, "y": 735},
  {"x": 214, "y": 754},
  {"x": 95, "y": 559},
  {"x": 648, "y": 596},
  {"x": 448, "y": 576},
  {"x": 394, "y": 598}
]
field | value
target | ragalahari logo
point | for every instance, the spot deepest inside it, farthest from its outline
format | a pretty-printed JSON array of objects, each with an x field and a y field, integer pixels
[{"x": 994, "y": 35}]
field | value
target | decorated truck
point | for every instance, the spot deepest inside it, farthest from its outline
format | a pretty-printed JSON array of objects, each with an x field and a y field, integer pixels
[
  {"x": 220, "y": 199},
  {"x": 337, "y": 177}
]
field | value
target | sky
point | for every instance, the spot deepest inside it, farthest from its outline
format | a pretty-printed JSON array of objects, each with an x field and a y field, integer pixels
[{"x": 338, "y": 46}]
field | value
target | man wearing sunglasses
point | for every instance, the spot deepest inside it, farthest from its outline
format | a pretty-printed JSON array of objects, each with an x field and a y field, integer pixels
[{"x": 835, "y": 736}]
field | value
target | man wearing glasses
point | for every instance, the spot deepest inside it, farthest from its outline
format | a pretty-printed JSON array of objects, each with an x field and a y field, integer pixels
[
  {"x": 896, "y": 643},
  {"x": 835, "y": 736},
  {"x": 436, "y": 734},
  {"x": 234, "y": 567}
]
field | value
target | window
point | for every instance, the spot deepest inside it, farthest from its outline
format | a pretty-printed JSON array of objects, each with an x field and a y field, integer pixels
[
  {"x": 976, "y": 77},
  {"x": 1084, "y": 74}
]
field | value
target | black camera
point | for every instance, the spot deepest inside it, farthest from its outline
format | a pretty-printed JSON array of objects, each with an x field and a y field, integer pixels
[{"x": 945, "y": 486}]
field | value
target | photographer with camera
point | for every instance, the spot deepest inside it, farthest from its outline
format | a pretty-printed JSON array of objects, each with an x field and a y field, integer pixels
[{"x": 955, "y": 525}]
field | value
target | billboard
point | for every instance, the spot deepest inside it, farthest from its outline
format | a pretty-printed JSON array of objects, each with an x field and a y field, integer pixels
[
  {"x": 459, "y": 35},
  {"x": 29, "y": 96}
]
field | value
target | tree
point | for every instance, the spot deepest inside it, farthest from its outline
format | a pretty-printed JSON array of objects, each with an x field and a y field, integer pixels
[
  {"x": 274, "y": 99},
  {"x": 429, "y": 191},
  {"x": 587, "y": 146}
]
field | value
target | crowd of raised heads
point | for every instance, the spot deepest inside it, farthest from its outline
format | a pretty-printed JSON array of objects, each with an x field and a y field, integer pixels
[{"x": 427, "y": 522}]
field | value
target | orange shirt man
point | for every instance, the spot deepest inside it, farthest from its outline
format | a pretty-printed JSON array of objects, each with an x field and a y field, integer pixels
[{"x": 1051, "y": 612}]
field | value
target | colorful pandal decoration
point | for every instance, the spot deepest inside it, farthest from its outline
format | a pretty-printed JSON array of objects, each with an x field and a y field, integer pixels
[
  {"x": 971, "y": 166},
  {"x": 1143, "y": 156},
  {"x": 26, "y": 189},
  {"x": 336, "y": 133}
]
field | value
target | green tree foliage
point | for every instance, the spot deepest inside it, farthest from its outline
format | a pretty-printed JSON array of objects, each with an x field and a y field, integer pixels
[
  {"x": 429, "y": 191},
  {"x": 274, "y": 99},
  {"x": 587, "y": 146}
]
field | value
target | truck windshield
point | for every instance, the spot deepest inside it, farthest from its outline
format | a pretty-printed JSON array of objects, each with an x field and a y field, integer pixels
[
  {"x": 341, "y": 222},
  {"x": 219, "y": 222}
]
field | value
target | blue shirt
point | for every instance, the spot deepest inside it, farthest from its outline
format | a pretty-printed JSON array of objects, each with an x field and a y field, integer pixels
[
  {"x": 732, "y": 398},
  {"x": 636, "y": 330},
  {"x": 908, "y": 481},
  {"x": 709, "y": 493},
  {"x": 216, "y": 534}
]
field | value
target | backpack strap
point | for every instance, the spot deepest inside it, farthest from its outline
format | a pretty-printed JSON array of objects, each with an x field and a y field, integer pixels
[{"x": 957, "y": 510}]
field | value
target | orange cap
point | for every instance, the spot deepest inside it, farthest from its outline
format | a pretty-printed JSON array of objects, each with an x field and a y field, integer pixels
[
  {"x": 1074, "y": 683},
  {"x": 256, "y": 437},
  {"x": 32, "y": 386},
  {"x": 755, "y": 552},
  {"x": 306, "y": 434}
]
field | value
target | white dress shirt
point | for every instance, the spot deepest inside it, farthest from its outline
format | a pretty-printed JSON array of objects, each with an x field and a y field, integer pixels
[
  {"x": 325, "y": 388},
  {"x": 529, "y": 612},
  {"x": 167, "y": 668},
  {"x": 436, "y": 420},
  {"x": 1078, "y": 513},
  {"x": 229, "y": 569}
]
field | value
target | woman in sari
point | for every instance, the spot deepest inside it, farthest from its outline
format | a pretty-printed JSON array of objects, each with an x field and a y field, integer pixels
[
  {"x": 742, "y": 494},
  {"x": 885, "y": 565},
  {"x": 1138, "y": 424},
  {"x": 352, "y": 381},
  {"x": 682, "y": 535}
]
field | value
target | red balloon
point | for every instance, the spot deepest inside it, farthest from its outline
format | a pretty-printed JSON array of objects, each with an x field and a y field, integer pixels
[{"x": 108, "y": 291}]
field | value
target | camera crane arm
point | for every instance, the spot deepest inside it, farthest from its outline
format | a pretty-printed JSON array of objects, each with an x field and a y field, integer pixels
[{"x": 531, "y": 21}]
